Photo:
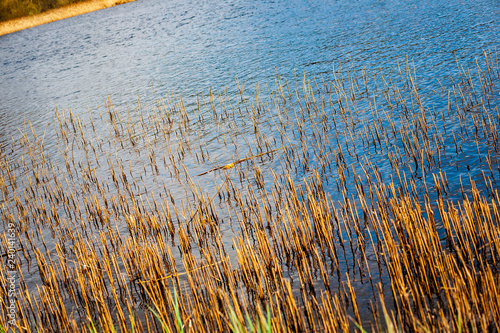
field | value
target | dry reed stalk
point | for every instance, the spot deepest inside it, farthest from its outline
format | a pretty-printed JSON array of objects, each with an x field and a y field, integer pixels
[{"x": 112, "y": 239}]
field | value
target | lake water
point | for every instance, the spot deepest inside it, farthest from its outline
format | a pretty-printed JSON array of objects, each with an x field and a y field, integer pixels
[
  {"x": 185, "y": 47},
  {"x": 154, "y": 48}
]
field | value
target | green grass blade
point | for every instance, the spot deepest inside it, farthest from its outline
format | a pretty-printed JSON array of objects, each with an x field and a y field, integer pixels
[{"x": 163, "y": 325}]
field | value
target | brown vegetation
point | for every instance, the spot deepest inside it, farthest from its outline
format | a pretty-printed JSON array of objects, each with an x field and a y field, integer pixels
[
  {"x": 11, "y": 9},
  {"x": 354, "y": 222},
  {"x": 16, "y": 15}
]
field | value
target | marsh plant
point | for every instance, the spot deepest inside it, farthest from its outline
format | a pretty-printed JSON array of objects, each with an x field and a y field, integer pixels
[{"x": 358, "y": 202}]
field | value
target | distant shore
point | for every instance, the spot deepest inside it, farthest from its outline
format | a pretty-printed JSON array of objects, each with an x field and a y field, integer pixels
[{"x": 57, "y": 14}]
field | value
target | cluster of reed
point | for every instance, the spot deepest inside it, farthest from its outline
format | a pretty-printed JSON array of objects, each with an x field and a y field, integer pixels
[{"x": 353, "y": 202}]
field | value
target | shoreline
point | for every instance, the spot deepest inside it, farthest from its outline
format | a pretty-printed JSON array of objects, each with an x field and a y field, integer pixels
[{"x": 57, "y": 14}]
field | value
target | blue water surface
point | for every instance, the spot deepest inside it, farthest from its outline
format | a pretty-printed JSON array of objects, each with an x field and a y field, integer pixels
[{"x": 185, "y": 47}]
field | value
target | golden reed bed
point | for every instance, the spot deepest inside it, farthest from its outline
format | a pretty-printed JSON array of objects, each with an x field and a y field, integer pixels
[
  {"x": 57, "y": 14},
  {"x": 328, "y": 206}
]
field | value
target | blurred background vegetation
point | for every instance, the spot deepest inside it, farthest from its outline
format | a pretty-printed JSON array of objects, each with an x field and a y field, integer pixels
[{"x": 11, "y": 9}]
